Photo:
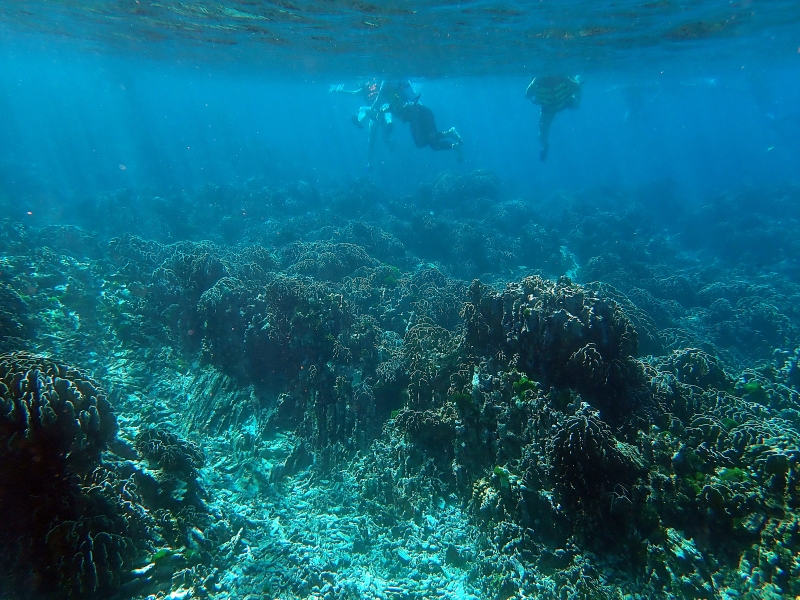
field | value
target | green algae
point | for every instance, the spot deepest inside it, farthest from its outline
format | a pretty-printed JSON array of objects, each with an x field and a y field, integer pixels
[
  {"x": 523, "y": 385},
  {"x": 504, "y": 475},
  {"x": 732, "y": 475},
  {"x": 756, "y": 391}
]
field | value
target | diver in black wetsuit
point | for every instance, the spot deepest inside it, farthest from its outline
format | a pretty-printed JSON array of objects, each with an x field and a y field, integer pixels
[
  {"x": 424, "y": 132},
  {"x": 398, "y": 98},
  {"x": 553, "y": 93}
]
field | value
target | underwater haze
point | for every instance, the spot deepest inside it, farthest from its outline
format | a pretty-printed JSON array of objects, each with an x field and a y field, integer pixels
[{"x": 336, "y": 300}]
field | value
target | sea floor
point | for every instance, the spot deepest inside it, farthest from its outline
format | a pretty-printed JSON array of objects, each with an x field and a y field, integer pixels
[{"x": 287, "y": 392}]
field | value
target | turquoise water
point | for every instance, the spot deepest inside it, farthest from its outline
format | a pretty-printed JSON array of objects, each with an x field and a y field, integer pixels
[{"x": 546, "y": 346}]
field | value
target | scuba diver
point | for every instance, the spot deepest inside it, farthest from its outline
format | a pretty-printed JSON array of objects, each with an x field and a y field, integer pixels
[
  {"x": 398, "y": 98},
  {"x": 385, "y": 98},
  {"x": 553, "y": 93},
  {"x": 369, "y": 90},
  {"x": 392, "y": 97}
]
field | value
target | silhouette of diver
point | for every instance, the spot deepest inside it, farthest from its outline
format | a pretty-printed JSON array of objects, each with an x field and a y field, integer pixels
[
  {"x": 399, "y": 98},
  {"x": 553, "y": 93}
]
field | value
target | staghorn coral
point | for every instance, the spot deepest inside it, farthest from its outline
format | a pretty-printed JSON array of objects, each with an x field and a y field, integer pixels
[
  {"x": 438, "y": 297},
  {"x": 789, "y": 368},
  {"x": 378, "y": 243},
  {"x": 72, "y": 241},
  {"x": 434, "y": 429},
  {"x": 226, "y": 310},
  {"x": 89, "y": 562},
  {"x": 650, "y": 341},
  {"x": 452, "y": 190},
  {"x": 323, "y": 260},
  {"x": 696, "y": 367},
  {"x": 171, "y": 485},
  {"x": 298, "y": 322},
  {"x": 136, "y": 256}
]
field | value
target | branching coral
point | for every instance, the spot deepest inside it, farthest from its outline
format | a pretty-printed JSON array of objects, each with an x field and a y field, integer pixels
[
  {"x": 169, "y": 452},
  {"x": 78, "y": 530},
  {"x": 51, "y": 411},
  {"x": 560, "y": 332},
  {"x": 588, "y": 462}
]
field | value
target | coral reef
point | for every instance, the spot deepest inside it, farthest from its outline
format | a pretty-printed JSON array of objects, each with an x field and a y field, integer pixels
[
  {"x": 14, "y": 322},
  {"x": 313, "y": 401}
]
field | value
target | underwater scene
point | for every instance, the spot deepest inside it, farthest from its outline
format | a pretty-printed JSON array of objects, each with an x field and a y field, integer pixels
[{"x": 436, "y": 300}]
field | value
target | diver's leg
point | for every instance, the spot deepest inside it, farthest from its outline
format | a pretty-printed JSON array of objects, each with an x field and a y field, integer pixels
[
  {"x": 454, "y": 133},
  {"x": 458, "y": 145},
  {"x": 438, "y": 141},
  {"x": 363, "y": 116},
  {"x": 445, "y": 140},
  {"x": 358, "y": 119},
  {"x": 545, "y": 120},
  {"x": 373, "y": 133},
  {"x": 388, "y": 127}
]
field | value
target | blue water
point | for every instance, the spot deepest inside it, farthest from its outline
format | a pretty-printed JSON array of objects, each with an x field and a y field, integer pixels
[
  {"x": 312, "y": 400},
  {"x": 700, "y": 116}
]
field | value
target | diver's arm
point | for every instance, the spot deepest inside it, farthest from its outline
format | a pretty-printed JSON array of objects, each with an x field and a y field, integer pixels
[
  {"x": 530, "y": 91},
  {"x": 408, "y": 95},
  {"x": 576, "y": 91},
  {"x": 339, "y": 89}
]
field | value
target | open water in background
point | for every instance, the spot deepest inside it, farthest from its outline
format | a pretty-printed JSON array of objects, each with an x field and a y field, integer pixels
[{"x": 688, "y": 99}]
